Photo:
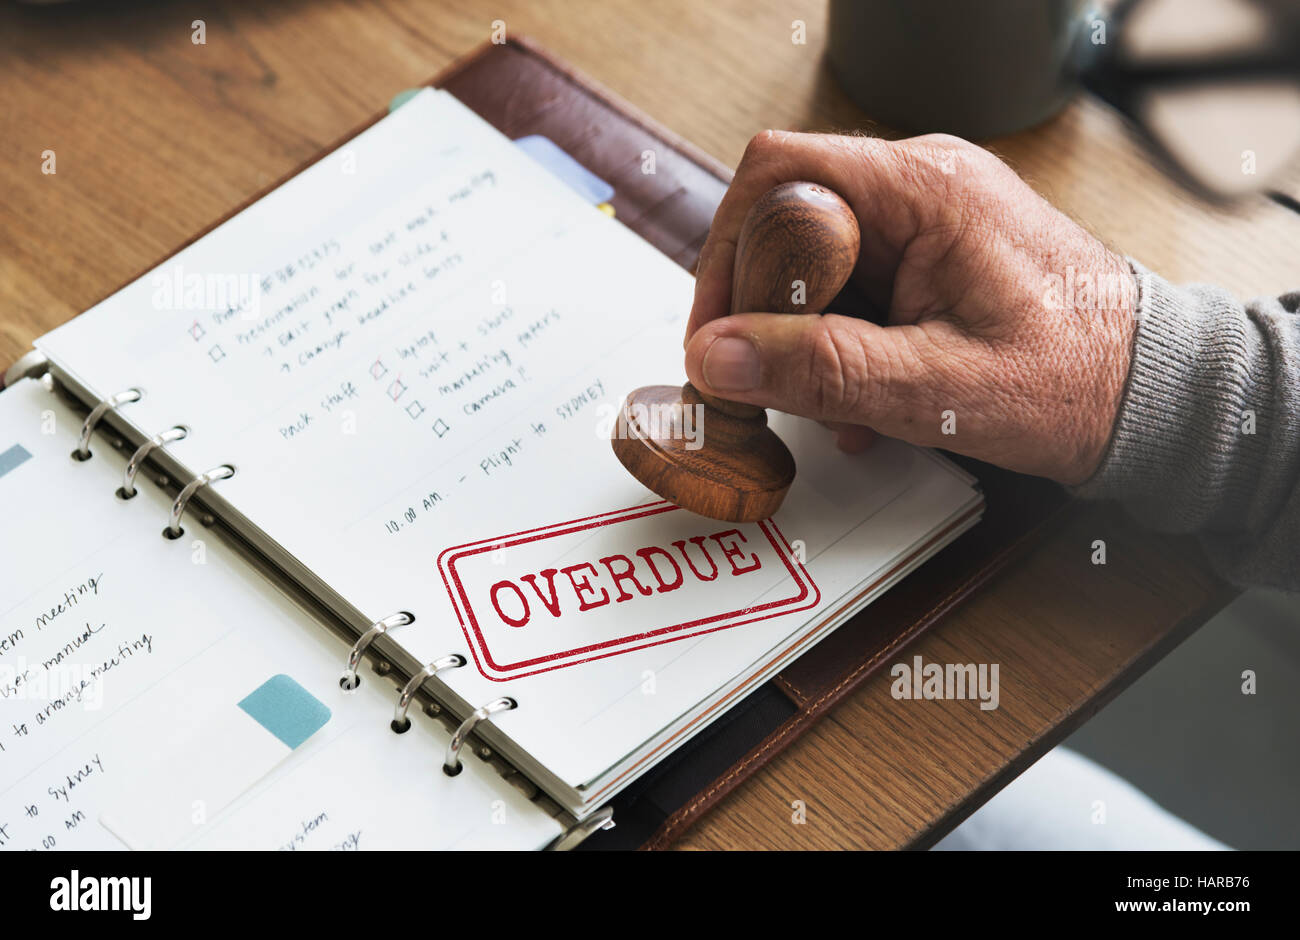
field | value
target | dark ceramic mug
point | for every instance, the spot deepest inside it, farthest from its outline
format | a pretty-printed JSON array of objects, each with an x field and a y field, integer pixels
[{"x": 974, "y": 68}]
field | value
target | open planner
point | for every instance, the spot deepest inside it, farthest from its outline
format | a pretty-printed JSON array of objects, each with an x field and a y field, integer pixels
[{"x": 369, "y": 417}]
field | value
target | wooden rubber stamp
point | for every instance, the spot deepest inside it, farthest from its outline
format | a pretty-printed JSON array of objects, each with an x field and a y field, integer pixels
[{"x": 797, "y": 247}]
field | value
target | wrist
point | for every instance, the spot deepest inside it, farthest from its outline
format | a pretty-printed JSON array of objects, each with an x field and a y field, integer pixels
[{"x": 1111, "y": 313}]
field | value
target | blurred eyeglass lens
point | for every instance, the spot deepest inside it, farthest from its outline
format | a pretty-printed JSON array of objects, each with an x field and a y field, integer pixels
[
  {"x": 1231, "y": 139},
  {"x": 1178, "y": 29},
  {"x": 1232, "y": 130}
]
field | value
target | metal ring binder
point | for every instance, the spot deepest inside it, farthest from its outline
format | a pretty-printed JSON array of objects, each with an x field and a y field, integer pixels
[
  {"x": 174, "y": 530},
  {"x": 177, "y": 433},
  {"x": 451, "y": 766},
  {"x": 121, "y": 398},
  {"x": 400, "y": 722},
  {"x": 350, "y": 680},
  {"x": 603, "y": 818}
]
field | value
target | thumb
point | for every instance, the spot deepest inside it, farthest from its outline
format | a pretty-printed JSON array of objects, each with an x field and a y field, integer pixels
[{"x": 827, "y": 367}]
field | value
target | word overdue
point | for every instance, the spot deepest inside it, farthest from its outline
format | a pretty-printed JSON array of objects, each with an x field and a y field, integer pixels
[{"x": 610, "y": 584}]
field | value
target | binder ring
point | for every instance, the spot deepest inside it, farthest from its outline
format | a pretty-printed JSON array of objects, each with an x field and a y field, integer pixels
[
  {"x": 350, "y": 680},
  {"x": 451, "y": 766},
  {"x": 178, "y": 433},
  {"x": 174, "y": 530},
  {"x": 121, "y": 398},
  {"x": 401, "y": 724},
  {"x": 603, "y": 818}
]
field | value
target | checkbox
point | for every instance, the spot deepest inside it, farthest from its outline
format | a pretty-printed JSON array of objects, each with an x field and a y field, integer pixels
[
  {"x": 396, "y": 389},
  {"x": 415, "y": 409},
  {"x": 197, "y": 331},
  {"x": 440, "y": 427},
  {"x": 378, "y": 371},
  {"x": 216, "y": 353}
]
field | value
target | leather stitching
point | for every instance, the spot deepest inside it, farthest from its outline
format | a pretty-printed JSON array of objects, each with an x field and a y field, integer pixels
[{"x": 790, "y": 687}]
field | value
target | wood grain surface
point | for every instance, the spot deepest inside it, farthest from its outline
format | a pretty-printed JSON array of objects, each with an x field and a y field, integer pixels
[{"x": 154, "y": 137}]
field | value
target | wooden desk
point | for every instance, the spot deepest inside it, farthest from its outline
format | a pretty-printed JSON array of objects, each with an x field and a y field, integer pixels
[{"x": 155, "y": 136}]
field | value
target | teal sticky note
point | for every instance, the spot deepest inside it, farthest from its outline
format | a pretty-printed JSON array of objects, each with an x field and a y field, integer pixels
[
  {"x": 286, "y": 709},
  {"x": 13, "y": 457},
  {"x": 402, "y": 97}
]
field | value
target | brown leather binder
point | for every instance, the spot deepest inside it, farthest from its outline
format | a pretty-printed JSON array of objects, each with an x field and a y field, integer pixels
[{"x": 521, "y": 90}]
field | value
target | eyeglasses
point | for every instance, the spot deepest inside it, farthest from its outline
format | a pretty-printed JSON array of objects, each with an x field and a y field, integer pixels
[{"x": 1214, "y": 88}]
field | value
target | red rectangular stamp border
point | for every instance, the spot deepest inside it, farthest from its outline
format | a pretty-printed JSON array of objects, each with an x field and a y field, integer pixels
[{"x": 807, "y": 595}]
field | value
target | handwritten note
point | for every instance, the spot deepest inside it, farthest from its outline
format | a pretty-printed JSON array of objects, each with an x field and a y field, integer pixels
[{"x": 119, "y": 645}]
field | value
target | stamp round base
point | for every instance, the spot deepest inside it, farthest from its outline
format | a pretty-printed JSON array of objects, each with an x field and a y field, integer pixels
[{"x": 713, "y": 463}]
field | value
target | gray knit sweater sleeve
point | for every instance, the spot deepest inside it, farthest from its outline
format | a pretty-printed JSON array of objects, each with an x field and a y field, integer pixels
[{"x": 1208, "y": 434}]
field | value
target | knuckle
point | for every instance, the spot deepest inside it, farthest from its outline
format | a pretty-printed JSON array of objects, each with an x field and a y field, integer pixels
[
  {"x": 760, "y": 147},
  {"x": 935, "y": 157},
  {"x": 837, "y": 373},
  {"x": 943, "y": 141},
  {"x": 857, "y": 146}
]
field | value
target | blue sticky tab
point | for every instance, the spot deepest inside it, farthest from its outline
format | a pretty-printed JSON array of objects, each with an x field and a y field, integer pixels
[
  {"x": 581, "y": 180},
  {"x": 402, "y": 97},
  {"x": 286, "y": 709},
  {"x": 12, "y": 458}
]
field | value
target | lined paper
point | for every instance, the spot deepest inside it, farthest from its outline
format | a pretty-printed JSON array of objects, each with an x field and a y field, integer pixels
[{"x": 124, "y": 657}]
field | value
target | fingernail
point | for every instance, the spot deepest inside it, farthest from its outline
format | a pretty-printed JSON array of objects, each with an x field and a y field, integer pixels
[{"x": 731, "y": 365}]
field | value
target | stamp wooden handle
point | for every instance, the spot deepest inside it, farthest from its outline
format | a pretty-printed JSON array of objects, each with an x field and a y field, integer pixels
[{"x": 796, "y": 251}]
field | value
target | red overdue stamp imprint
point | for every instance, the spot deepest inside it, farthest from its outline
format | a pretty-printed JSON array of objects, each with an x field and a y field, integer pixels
[{"x": 621, "y": 581}]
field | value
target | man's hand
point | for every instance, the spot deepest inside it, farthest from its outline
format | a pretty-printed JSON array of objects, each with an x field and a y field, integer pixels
[{"x": 1009, "y": 326}]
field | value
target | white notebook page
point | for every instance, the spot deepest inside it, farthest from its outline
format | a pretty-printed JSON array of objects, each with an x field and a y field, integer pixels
[
  {"x": 444, "y": 334},
  {"x": 121, "y": 648}
]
